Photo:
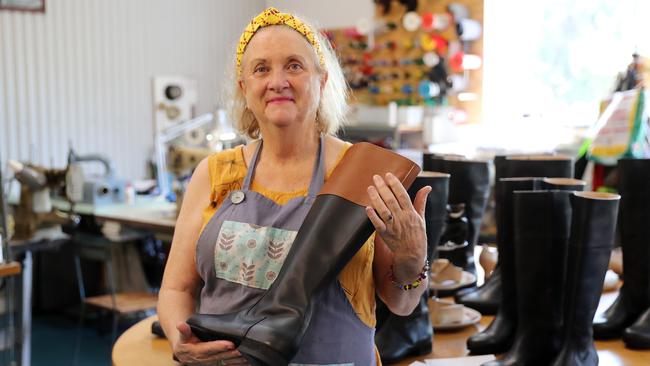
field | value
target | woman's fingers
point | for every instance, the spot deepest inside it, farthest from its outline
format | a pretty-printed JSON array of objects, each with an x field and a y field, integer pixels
[
  {"x": 398, "y": 190},
  {"x": 217, "y": 348},
  {"x": 208, "y": 353},
  {"x": 239, "y": 361},
  {"x": 420, "y": 202},
  {"x": 378, "y": 203},
  {"x": 377, "y": 222},
  {"x": 386, "y": 195},
  {"x": 186, "y": 333}
]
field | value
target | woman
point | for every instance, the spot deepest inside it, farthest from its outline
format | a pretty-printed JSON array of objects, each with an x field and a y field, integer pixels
[{"x": 289, "y": 91}]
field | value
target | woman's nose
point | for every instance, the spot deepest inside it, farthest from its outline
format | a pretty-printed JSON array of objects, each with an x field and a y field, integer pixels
[{"x": 278, "y": 80}]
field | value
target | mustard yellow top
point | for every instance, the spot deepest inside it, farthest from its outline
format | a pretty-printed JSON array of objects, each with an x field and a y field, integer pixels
[{"x": 227, "y": 171}]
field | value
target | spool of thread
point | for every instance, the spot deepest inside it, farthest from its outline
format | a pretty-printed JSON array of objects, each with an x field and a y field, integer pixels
[
  {"x": 468, "y": 29},
  {"x": 411, "y": 21}
]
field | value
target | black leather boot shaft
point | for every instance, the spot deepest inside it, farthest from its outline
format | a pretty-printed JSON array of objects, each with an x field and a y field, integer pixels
[
  {"x": 551, "y": 166},
  {"x": 335, "y": 228},
  {"x": 634, "y": 226},
  {"x": 593, "y": 226},
  {"x": 435, "y": 210},
  {"x": 541, "y": 227},
  {"x": 271, "y": 330},
  {"x": 469, "y": 184},
  {"x": 486, "y": 298},
  {"x": 499, "y": 335},
  {"x": 398, "y": 337}
]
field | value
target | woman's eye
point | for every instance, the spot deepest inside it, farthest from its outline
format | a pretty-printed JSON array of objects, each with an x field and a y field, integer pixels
[
  {"x": 295, "y": 67},
  {"x": 260, "y": 69}
]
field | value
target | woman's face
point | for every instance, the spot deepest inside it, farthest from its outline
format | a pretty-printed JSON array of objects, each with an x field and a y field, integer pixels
[{"x": 280, "y": 81}]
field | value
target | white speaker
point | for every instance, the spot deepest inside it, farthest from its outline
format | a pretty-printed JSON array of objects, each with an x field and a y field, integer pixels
[{"x": 174, "y": 101}]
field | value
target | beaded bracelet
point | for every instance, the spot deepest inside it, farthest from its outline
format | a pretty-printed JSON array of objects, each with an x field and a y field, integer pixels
[{"x": 410, "y": 286}]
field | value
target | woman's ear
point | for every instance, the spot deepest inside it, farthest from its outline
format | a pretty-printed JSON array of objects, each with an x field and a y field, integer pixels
[
  {"x": 242, "y": 86},
  {"x": 323, "y": 81}
]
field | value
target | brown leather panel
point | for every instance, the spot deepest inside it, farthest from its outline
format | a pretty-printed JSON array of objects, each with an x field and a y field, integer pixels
[{"x": 353, "y": 175}]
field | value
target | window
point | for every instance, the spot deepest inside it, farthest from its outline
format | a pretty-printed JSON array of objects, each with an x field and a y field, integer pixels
[{"x": 553, "y": 61}]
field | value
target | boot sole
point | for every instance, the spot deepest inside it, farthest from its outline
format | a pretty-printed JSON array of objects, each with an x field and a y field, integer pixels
[
  {"x": 262, "y": 352},
  {"x": 420, "y": 349},
  {"x": 486, "y": 350},
  {"x": 605, "y": 335},
  {"x": 638, "y": 345}
]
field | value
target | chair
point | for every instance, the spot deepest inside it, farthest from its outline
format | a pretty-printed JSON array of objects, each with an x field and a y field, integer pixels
[{"x": 102, "y": 248}]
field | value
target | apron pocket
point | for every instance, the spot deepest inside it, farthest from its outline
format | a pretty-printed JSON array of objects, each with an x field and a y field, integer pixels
[{"x": 251, "y": 255}]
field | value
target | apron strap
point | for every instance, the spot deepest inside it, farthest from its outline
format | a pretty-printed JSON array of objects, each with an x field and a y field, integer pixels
[
  {"x": 251, "y": 168},
  {"x": 317, "y": 177}
]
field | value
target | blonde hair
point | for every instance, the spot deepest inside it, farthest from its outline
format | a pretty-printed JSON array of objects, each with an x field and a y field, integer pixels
[{"x": 333, "y": 106}]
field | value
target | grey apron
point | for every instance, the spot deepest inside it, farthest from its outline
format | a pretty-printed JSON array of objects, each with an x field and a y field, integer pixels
[{"x": 242, "y": 249}]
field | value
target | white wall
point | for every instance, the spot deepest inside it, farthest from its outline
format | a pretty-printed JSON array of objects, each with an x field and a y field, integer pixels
[
  {"x": 328, "y": 13},
  {"x": 82, "y": 72}
]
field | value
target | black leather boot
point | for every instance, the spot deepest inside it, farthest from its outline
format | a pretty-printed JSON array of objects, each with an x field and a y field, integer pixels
[
  {"x": 469, "y": 184},
  {"x": 541, "y": 230},
  {"x": 593, "y": 225},
  {"x": 637, "y": 336},
  {"x": 486, "y": 298},
  {"x": 398, "y": 337},
  {"x": 270, "y": 332},
  {"x": 499, "y": 335},
  {"x": 634, "y": 225}
]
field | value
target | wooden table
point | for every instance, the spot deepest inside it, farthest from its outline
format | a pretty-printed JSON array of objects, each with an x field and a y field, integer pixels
[
  {"x": 9, "y": 269},
  {"x": 137, "y": 346}
]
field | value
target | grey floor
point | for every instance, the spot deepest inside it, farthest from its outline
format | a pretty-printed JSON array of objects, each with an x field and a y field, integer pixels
[{"x": 54, "y": 338}]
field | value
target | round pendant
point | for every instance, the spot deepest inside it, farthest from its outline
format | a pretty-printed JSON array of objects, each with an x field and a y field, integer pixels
[{"x": 237, "y": 197}]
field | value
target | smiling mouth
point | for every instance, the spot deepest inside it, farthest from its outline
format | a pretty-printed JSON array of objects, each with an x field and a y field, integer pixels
[{"x": 279, "y": 100}]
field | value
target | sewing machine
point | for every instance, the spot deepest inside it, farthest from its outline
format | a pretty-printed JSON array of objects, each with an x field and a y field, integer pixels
[
  {"x": 97, "y": 191},
  {"x": 34, "y": 209}
]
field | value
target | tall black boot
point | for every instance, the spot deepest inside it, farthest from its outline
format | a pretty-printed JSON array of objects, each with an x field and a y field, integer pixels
[
  {"x": 398, "y": 337},
  {"x": 469, "y": 184},
  {"x": 634, "y": 224},
  {"x": 336, "y": 226},
  {"x": 499, "y": 335},
  {"x": 541, "y": 231},
  {"x": 593, "y": 225},
  {"x": 486, "y": 298}
]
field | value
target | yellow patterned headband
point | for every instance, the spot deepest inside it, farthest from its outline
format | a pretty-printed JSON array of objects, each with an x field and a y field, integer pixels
[{"x": 272, "y": 16}]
